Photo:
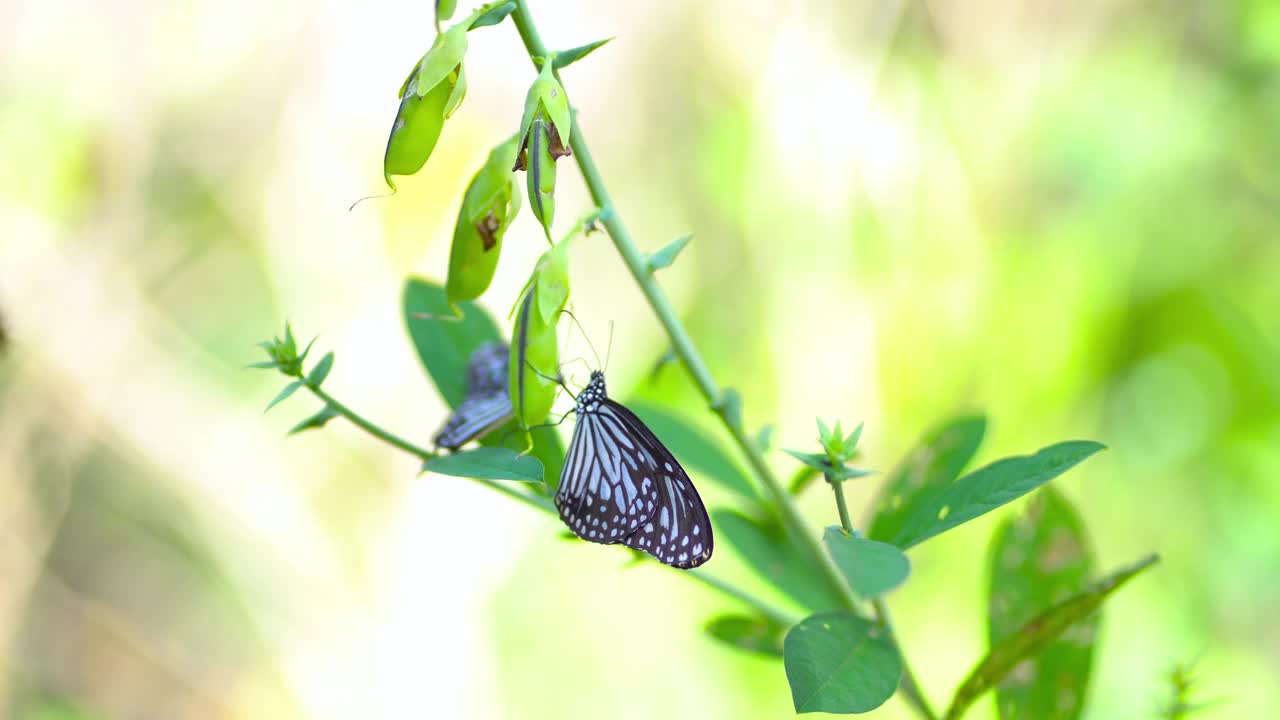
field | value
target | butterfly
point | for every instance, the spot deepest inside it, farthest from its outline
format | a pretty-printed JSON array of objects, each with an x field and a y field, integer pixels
[
  {"x": 487, "y": 404},
  {"x": 620, "y": 484}
]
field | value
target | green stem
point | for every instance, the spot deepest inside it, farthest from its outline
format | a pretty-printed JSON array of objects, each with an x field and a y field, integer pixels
[
  {"x": 782, "y": 617},
  {"x": 683, "y": 346},
  {"x": 374, "y": 430},
  {"x": 909, "y": 686},
  {"x": 837, "y": 486}
]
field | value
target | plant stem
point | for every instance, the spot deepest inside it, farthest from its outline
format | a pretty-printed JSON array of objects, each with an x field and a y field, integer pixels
[
  {"x": 781, "y": 617},
  {"x": 837, "y": 486},
  {"x": 683, "y": 346},
  {"x": 374, "y": 430},
  {"x": 909, "y": 686}
]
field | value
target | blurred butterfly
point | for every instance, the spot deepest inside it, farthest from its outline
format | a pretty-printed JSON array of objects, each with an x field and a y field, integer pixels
[
  {"x": 620, "y": 484},
  {"x": 487, "y": 404}
]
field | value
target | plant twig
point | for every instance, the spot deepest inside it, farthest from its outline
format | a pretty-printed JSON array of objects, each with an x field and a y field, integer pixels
[{"x": 374, "y": 430}]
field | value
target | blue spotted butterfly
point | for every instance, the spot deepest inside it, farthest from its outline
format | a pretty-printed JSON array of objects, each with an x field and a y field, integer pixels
[{"x": 620, "y": 484}]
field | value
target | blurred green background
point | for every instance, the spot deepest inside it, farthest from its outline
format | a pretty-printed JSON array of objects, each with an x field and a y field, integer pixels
[{"x": 1066, "y": 215}]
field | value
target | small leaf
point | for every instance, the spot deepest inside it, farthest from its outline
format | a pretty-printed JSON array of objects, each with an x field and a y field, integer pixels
[
  {"x": 731, "y": 405},
  {"x": 494, "y": 16},
  {"x": 753, "y": 634},
  {"x": 988, "y": 488},
  {"x": 457, "y": 92},
  {"x": 695, "y": 449},
  {"x": 924, "y": 473},
  {"x": 824, "y": 433},
  {"x": 265, "y": 365},
  {"x": 315, "y": 421},
  {"x": 321, "y": 370},
  {"x": 446, "y": 53},
  {"x": 565, "y": 58},
  {"x": 288, "y": 390},
  {"x": 872, "y": 568},
  {"x": 1035, "y": 635},
  {"x": 667, "y": 255},
  {"x": 764, "y": 438},
  {"x": 1038, "y": 559},
  {"x": 487, "y": 463},
  {"x": 840, "y": 663},
  {"x": 775, "y": 557},
  {"x": 444, "y": 342}
]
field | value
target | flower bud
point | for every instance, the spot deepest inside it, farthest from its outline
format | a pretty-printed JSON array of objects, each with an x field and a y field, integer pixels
[
  {"x": 430, "y": 94},
  {"x": 489, "y": 205}
]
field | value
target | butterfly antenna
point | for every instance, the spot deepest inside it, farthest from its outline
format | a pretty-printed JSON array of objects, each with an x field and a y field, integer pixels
[
  {"x": 608, "y": 349},
  {"x": 544, "y": 376},
  {"x": 584, "y": 335}
]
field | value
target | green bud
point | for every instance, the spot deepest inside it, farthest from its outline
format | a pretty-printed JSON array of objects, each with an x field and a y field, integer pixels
[{"x": 489, "y": 205}]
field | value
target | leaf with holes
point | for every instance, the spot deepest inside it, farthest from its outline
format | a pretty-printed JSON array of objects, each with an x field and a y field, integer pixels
[
  {"x": 753, "y": 634},
  {"x": 1039, "y": 559},
  {"x": 840, "y": 663},
  {"x": 695, "y": 449},
  {"x": 776, "y": 559},
  {"x": 925, "y": 472},
  {"x": 487, "y": 463},
  {"x": 872, "y": 568},
  {"x": 988, "y": 488},
  {"x": 1035, "y": 635}
]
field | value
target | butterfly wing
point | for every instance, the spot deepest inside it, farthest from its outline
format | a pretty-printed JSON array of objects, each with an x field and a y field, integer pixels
[
  {"x": 608, "y": 486},
  {"x": 474, "y": 416},
  {"x": 678, "y": 532}
]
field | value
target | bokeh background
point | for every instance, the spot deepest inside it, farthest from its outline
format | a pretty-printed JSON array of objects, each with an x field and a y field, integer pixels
[{"x": 1065, "y": 215}]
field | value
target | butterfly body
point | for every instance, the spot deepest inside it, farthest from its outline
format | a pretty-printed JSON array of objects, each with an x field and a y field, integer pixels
[{"x": 620, "y": 484}]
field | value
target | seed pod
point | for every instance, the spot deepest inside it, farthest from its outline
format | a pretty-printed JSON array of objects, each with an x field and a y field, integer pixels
[
  {"x": 431, "y": 93},
  {"x": 489, "y": 205}
]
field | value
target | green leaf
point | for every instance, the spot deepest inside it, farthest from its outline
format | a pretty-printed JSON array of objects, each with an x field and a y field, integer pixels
[
  {"x": 753, "y": 634},
  {"x": 1034, "y": 636},
  {"x": 494, "y": 16},
  {"x": 315, "y": 421},
  {"x": 487, "y": 463},
  {"x": 445, "y": 9},
  {"x": 444, "y": 342},
  {"x": 1039, "y": 559},
  {"x": 457, "y": 91},
  {"x": 288, "y": 390},
  {"x": 872, "y": 568},
  {"x": 695, "y": 449},
  {"x": 925, "y": 472},
  {"x": 667, "y": 255},
  {"x": 489, "y": 206},
  {"x": 764, "y": 438},
  {"x": 775, "y": 557},
  {"x": 265, "y": 365},
  {"x": 840, "y": 663},
  {"x": 824, "y": 433},
  {"x": 988, "y": 488},
  {"x": 565, "y": 58},
  {"x": 321, "y": 370},
  {"x": 822, "y": 463}
]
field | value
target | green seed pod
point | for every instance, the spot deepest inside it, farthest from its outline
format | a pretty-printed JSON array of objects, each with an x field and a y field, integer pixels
[
  {"x": 541, "y": 174},
  {"x": 489, "y": 205},
  {"x": 535, "y": 362},
  {"x": 433, "y": 90}
]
